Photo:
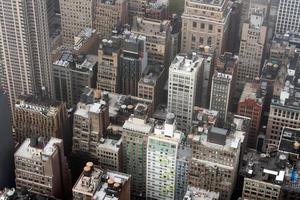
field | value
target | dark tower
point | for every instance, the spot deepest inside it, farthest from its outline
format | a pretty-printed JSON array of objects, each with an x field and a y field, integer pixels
[{"x": 6, "y": 145}]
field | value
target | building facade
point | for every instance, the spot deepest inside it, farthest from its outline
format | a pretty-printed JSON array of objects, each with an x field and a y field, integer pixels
[
  {"x": 109, "y": 14},
  {"x": 43, "y": 168},
  {"x": 75, "y": 15},
  {"x": 72, "y": 74},
  {"x": 252, "y": 45},
  {"x": 205, "y": 23},
  {"x": 184, "y": 88},
  {"x": 24, "y": 48},
  {"x": 36, "y": 116},
  {"x": 162, "y": 151},
  {"x": 136, "y": 131},
  {"x": 288, "y": 13},
  {"x": 251, "y": 105},
  {"x": 108, "y": 63}
]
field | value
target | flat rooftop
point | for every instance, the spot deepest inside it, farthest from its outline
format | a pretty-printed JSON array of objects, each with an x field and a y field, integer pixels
[
  {"x": 101, "y": 185},
  {"x": 186, "y": 63},
  {"x": 253, "y": 91},
  {"x": 290, "y": 141},
  {"x": 194, "y": 193},
  {"x": 34, "y": 152}
]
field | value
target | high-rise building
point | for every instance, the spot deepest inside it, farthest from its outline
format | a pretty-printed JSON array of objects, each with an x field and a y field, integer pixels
[
  {"x": 43, "y": 168},
  {"x": 220, "y": 99},
  {"x": 157, "y": 33},
  {"x": 24, "y": 48},
  {"x": 133, "y": 61},
  {"x": 184, "y": 88},
  {"x": 72, "y": 74},
  {"x": 109, "y": 14},
  {"x": 91, "y": 119},
  {"x": 95, "y": 183},
  {"x": 136, "y": 131},
  {"x": 108, "y": 63},
  {"x": 251, "y": 105},
  {"x": 38, "y": 116},
  {"x": 6, "y": 145},
  {"x": 75, "y": 15},
  {"x": 288, "y": 13},
  {"x": 162, "y": 152},
  {"x": 252, "y": 45},
  {"x": 205, "y": 23},
  {"x": 215, "y": 159}
]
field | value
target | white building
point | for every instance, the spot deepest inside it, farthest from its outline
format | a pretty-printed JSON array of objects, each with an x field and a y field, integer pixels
[
  {"x": 184, "y": 89},
  {"x": 162, "y": 153},
  {"x": 288, "y": 16}
]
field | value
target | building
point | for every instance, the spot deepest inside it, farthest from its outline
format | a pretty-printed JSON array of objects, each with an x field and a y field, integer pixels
[
  {"x": 133, "y": 61},
  {"x": 288, "y": 13},
  {"x": 251, "y": 105},
  {"x": 109, "y": 14},
  {"x": 220, "y": 96},
  {"x": 157, "y": 33},
  {"x": 38, "y": 116},
  {"x": 200, "y": 194},
  {"x": 271, "y": 176},
  {"x": 175, "y": 35},
  {"x": 215, "y": 159},
  {"x": 151, "y": 84},
  {"x": 6, "y": 145},
  {"x": 155, "y": 10},
  {"x": 162, "y": 152},
  {"x": 208, "y": 70},
  {"x": 95, "y": 183},
  {"x": 136, "y": 8},
  {"x": 91, "y": 119},
  {"x": 108, "y": 63},
  {"x": 136, "y": 131},
  {"x": 43, "y": 168},
  {"x": 21, "y": 194},
  {"x": 184, "y": 88},
  {"x": 284, "y": 109},
  {"x": 86, "y": 42},
  {"x": 109, "y": 152},
  {"x": 75, "y": 15},
  {"x": 182, "y": 170},
  {"x": 205, "y": 23},
  {"x": 223, "y": 86},
  {"x": 24, "y": 49},
  {"x": 252, "y": 46},
  {"x": 72, "y": 74}
]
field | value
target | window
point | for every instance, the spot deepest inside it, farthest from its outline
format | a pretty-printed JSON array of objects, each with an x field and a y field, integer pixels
[{"x": 194, "y": 25}]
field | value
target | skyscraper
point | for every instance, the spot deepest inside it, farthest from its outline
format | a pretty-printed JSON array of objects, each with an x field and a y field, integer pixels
[
  {"x": 288, "y": 16},
  {"x": 252, "y": 48},
  {"x": 205, "y": 23},
  {"x": 24, "y": 48},
  {"x": 162, "y": 153},
  {"x": 184, "y": 88},
  {"x": 136, "y": 131},
  {"x": 6, "y": 145}
]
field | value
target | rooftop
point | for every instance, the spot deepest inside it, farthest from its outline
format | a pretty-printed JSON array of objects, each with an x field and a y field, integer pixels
[
  {"x": 38, "y": 104},
  {"x": 253, "y": 91},
  {"x": 274, "y": 168},
  {"x": 152, "y": 74},
  {"x": 35, "y": 149},
  {"x": 203, "y": 116},
  {"x": 209, "y": 2},
  {"x": 99, "y": 184},
  {"x": 82, "y": 36},
  {"x": 21, "y": 194},
  {"x": 186, "y": 63},
  {"x": 200, "y": 194},
  {"x": 112, "y": 142},
  {"x": 290, "y": 141}
]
